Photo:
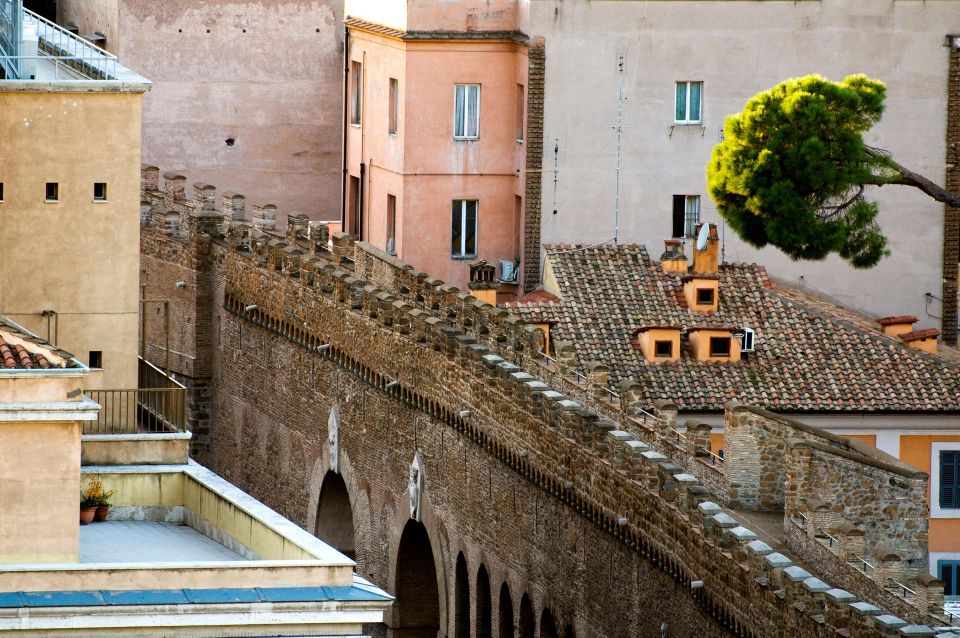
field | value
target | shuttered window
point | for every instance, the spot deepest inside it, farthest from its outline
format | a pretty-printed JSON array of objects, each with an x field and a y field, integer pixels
[{"x": 950, "y": 479}]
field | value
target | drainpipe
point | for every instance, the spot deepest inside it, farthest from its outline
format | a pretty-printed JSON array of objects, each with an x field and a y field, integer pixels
[
  {"x": 363, "y": 171},
  {"x": 346, "y": 118}
]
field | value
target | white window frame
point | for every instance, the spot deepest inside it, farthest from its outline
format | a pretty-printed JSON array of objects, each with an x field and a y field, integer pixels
[
  {"x": 686, "y": 112},
  {"x": 467, "y": 112},
  {"x": 463, "y": 254},
  {"x": 935, "y": 510}
]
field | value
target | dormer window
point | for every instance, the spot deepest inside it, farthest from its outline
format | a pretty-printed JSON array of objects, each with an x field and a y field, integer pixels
[
  {"x": 719, "y": 346},
  {"x": 700, "y": 292},
  {"x": 658, "y": 343},
  {"x": 713, "y": 344}
]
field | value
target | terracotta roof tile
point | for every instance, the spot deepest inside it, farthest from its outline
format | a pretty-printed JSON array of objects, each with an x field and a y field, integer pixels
[{"x": 810, "y": 356}]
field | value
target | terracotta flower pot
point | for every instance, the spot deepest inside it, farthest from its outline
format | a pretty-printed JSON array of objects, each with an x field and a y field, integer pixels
[
  {"x": 102, "y": 512},
  {"x": 87, "y": 514}
]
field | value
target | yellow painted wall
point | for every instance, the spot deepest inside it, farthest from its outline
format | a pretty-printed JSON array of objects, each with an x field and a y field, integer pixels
[
  {"x": 690, "y": 289},
  {"x": 716, "y": 442},
  {"x": 648, "y": 341},
  {"x": 915, "y": 450},
  {"x": 700, "y": 345},
  {"x": 40, "y": 492},
  {"x": 77, "y": 257},
  {"x": 870, "y": 439}
]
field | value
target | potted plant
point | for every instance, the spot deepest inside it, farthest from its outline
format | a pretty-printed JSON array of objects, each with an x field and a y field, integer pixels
[
  {"x": 88, "y": 509},
  {"x": 97, "y": 498}
]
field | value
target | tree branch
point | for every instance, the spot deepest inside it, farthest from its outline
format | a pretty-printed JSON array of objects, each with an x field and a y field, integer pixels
[{"x": 907, "y": 177}]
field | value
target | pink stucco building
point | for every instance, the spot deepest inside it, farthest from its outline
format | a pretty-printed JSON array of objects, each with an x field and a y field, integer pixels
[{"x": 434, "y": 133}]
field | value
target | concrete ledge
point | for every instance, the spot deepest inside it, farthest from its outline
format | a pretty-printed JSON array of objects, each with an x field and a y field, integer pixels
[{"x": 135, "y": 449}]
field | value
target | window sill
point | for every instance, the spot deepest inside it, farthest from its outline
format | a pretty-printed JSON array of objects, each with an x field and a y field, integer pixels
[
  {"x": 944, "y": 512},
  {"x": 462, "y": 257},
  {"x": 466, "y": 139},
  {"x": 51, "y": 201},
  {"x": 354, "y": 125},
  {"x": 393, "y": 135},
  {"x": 101, "y": 201},
  {"x": 688, "y": 123},
  {"x": 519, "y": 141}
]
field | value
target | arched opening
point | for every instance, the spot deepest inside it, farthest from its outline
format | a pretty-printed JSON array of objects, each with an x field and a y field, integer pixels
[
  {"x": 418, "y": 600},
  {"x": 526, "y": 624},
  {"x": 569, "y": 632},
  {"x": 334, "y": 523},
  {"x": 548, "y": 628},
  {"x": 506, "y": 613},
  {"x": 461, "y": 624},
  {"x": 484, "y": 624}
]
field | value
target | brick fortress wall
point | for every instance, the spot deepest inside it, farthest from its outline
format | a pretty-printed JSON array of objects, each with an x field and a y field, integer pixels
[{"x": 554, "y": 496}]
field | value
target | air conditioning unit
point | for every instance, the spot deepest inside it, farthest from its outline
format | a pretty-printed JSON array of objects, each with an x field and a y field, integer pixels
[
  {"x": 509, "y": 271},
  {"x": 746, "y": 340}
]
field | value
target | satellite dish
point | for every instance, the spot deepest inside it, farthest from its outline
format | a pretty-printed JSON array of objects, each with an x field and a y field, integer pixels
[{"x": 703, "y": 236}]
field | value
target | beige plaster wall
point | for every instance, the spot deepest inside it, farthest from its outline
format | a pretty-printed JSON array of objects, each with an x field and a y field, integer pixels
[
  {"x": 738, "y": 49},
  {"x": 92, "y": 16},
  {"x": 23, "y": 389},
  {"x": 40, "y": 492},
  {"x": 266, "y": 73},
  {"x": 77, "y": 257}
]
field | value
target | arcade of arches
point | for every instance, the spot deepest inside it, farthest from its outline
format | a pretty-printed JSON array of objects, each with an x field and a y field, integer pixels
[{"x": 416, "y": 612}]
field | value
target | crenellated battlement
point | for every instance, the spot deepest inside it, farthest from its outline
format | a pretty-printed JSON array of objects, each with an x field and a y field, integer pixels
[{"x": 440, "y": 351}]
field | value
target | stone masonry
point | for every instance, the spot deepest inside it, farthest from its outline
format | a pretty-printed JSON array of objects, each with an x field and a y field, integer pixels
[{"x": 544, "y": 481}]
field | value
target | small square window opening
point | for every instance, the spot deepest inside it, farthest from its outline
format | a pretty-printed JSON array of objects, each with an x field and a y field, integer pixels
[
  {"x": 96, "y": 359},
  {"x": 719, "y": 346},
  {"x": 100, "y": 191},
  {"x": 663, "y": 349},
  {"x": 52, "y": 192},
  {"x": 704, "y": 296},
  {"x": 1, "y": 191}
]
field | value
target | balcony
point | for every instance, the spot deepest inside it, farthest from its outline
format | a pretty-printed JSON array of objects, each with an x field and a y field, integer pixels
[{"x": 146, "y": 425}]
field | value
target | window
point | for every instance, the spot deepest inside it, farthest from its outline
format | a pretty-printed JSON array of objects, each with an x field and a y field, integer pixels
[
  {"x": 466, "y": 112},
  {"x": 356, "y": 92},
  {"x": 1, "y": 191},
  {"x": 96, "y": 359},
  {"x": 704, "y": 296},
  {"x": 394, "y": 115},
  {"x": 719, "y": 346},
  {"x": 353, "y": 206},
  {"x": 688, "y": 102},
  {"x": 464, "y": 237},
  {"x": 392, "y": 224},
  {"x": 686, "y": 215},
  {"x": 949, "y": 572},
  {"x": 100, "y": 191},
  {"x": 950, "y": 479},
  {"x": 53, "y": 192},
  {"x": 520, "y": 110},
  {"x": 663, "y": 348}
]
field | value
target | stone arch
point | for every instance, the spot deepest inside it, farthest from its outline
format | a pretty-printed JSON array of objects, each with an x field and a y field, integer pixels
[
  {"x": 417, "y": 613},
  {"x": 507, "y": 628},
  {"x": 484, "y": 624},
  {"x": 548, "y": 627},
  {"x": 461, "y": 592},
  {"x": 334, "y": 522},
  {"x": 526, "y": 623}
]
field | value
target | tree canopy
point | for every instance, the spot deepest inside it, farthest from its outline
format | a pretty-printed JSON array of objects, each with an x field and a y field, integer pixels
[{"x": 792, "y": 169}]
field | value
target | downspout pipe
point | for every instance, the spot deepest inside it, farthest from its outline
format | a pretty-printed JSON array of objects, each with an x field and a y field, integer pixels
[{"x": 346, "y": 119}]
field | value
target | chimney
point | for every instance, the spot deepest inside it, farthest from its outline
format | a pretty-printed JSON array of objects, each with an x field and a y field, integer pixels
[
  {"x": 708, "y": 259},
  {"x": 895, "y": 326},
  {"x": 925, "y": 339},
  {"x": 673, "y": 259},
  {"x": 483, "y": 282}
]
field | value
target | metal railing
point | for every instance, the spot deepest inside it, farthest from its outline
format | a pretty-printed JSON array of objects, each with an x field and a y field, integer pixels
[
  {"x": 861, "y": 564},
  {"x": 899, "y": 589},
  {"x": 159, "y": 404},
  {"x": 830, "y": 539},
  {"x": 142, "y": 410},
  {"x": 71, "y": 55}
]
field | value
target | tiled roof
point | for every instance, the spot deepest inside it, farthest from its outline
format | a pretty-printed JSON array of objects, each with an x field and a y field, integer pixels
[
  {"x": 808, "y": 358},
  {"x": 22, "y": 350}
]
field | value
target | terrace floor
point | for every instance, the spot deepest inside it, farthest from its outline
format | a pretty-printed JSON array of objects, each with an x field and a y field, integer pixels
[{"x": 148, "y": 542}]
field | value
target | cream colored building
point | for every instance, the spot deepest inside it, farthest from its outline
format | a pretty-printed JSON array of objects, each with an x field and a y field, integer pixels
[
  {"x": 69, "y": 199},
  {"x": 653, "y": 50}
]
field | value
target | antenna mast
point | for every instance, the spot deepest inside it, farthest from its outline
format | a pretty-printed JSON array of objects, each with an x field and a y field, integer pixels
[{"x": 616, "y": 200}]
